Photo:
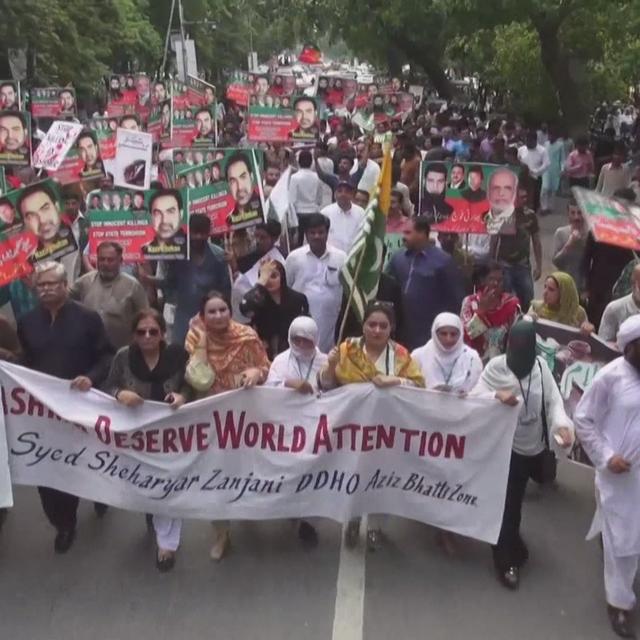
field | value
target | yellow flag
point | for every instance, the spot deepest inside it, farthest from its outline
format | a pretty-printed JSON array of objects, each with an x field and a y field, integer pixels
[{"x": 384, "y": 182}]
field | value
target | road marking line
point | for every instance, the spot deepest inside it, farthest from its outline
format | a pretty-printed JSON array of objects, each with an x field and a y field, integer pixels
[{"x": 348, "y": 620}]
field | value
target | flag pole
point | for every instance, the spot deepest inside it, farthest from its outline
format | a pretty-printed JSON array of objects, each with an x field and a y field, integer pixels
[{"x": 352, "y": 289}]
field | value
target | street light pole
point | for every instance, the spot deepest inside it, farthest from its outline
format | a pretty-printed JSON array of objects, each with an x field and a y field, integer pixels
[
  {"x": 168, "y": 37},
  {"x": 183, "y": 43}
]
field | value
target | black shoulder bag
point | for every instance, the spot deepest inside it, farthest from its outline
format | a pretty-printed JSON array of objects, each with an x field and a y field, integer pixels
[{"x": 546, "y": 471}]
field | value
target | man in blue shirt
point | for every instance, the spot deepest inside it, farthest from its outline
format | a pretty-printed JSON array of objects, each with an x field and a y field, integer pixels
[{"x": 430, "y": 281}]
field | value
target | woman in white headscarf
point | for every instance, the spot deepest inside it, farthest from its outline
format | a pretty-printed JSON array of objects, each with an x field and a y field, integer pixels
[
  {"x": 449, "y": 365},
  {"x": 446, "y": 362},
  {"x": 297, "y": 367}
]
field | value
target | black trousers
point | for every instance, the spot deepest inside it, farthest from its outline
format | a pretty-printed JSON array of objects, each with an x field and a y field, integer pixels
[
  {"x": 536, "y": 188},
  {"x": 511, "y": 551},
  {"x": 579, "y": 182},
  {"x": 59, "y": 507}
]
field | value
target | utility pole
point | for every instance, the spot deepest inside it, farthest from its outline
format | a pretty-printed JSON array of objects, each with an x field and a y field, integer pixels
[
  {"x": 183, "y": 43},
  {"x": 167, "y": 39}
]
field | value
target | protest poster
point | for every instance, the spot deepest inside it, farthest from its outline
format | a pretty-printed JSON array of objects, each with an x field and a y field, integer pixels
[
  {"x": 15, "y": 138},
  {"x": 574, "y": 360},
  {"x": 227, "y": 190},
  {"x": 284, "y": 120},
  {"x": 267, "y": 453},
  {"x": 201, "y": 93},
  {"x": 133, "y": 161},
  {"x": 150, "y": 225},
  {"x": 194, "y": 121},
  {"x": 10, "y": 98},
  {"x": 39, "y": 208},
  {"x": 56, "y": 144},
  {"x": 468, "y": 197},
  {"x": 53, "y": 102},
  {"x": 282, "y": 84},
  {"x": 83, "y": 162},
  {"x": 240, "y": 87},
  {"x": 336, "y": 91},
  {"x": 183, "y": 158},
  {"x": 160, "y": 122},
  {"x": 611, "y": 221},
  {"x": 16, "y": 244},
  {"x": 129, "y": 93},
  {"x": 106, "y": 128}
]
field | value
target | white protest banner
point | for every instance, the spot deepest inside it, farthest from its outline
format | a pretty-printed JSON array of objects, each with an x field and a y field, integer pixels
[
  {"x": 6, "y": 495},
  {"x": 268, "y": 453},
  {"x": 56, "y": 144},
  {"x": 132, "y": 166}
]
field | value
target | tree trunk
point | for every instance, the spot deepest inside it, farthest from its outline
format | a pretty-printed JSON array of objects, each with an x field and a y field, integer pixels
[
  {"x": 570, "y": 95},
  {"x": 430, "y": 62}
]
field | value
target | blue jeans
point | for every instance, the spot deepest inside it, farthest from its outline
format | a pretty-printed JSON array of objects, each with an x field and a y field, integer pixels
[{"x": 518, "y": 280}]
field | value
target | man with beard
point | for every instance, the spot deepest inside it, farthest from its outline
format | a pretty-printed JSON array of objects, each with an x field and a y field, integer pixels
[
  {"x": 88, "y": 149},
  {"x": 39, "y": 209},
  {"x": 503, "y": 189},
  {"x": 240, "y": 180},
  {"x": 434, "y": 207},
  {"x": 165, "y": 209},
  {"x": 8, "y": 97},
  {"x": 271, "y": 177},
  {"x": 474, "y": 192},
  {"x": 456, "y": 180},
  {"x": 306, "y": 116},
  {"x": 204, "y": 124},
  {"x": 14, "y": 137},
  {"x": 607, "y": 421}
]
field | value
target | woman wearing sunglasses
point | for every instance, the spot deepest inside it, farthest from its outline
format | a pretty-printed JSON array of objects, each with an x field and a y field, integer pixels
[{"x": 150, "y": 369}]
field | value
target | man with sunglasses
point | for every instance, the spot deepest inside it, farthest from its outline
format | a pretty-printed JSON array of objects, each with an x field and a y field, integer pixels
[
  {"x": 63, "y": 339},
  {"x": 116, "y": 296}
]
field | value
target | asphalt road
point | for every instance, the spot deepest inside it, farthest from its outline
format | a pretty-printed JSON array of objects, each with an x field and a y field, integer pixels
[{"x": 270, "y": 588}]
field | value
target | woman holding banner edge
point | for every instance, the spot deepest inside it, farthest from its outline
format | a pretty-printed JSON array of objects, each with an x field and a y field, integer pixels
[
  {"x": 372, "y": 358},
  {"x": 230, "y": 356},
  {"x": 150, "y": 369}
]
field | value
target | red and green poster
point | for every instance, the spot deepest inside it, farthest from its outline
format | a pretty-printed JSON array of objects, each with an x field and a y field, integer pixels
[
  {"x": 274, "y": 119},
  {"x": 469, "y": 198},
  {"x": 149, "y": 225},
  {"x": 53, "y": 102},
  {"x": 611, "y": 221},
  {"x": 227, "y": 190}
]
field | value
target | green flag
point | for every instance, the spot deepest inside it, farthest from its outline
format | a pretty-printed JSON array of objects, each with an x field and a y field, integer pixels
[{"x": 361, "y": 272}]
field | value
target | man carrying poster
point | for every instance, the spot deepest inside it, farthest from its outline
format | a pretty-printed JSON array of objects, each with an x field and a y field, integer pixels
[
  {"x": 165, "y": 209},
  {"x": 39, "y": 207},
  {"x": 15, "y": 138}
]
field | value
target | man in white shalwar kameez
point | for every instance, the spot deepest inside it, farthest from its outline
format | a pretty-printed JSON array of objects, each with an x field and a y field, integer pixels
[{"x": 607, "y": 422}]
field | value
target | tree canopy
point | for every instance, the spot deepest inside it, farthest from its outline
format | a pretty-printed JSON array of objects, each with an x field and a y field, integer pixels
[{"x": 548, "y": 58}]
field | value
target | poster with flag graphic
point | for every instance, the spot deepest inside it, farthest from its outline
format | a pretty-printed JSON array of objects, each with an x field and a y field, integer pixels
[{"x": 360, "y": 274}]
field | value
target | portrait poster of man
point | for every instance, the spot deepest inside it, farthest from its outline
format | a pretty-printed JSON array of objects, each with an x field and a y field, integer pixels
[
  {"x": 201, "y": 93},
  {"x": 53, "y": 102},
  {"x": 194, "y": 121},
  {"x": 284, "y": 120},
  {"x": 40, "y": 208},
  {"x": 168, "y": 217},
  {"x": 469, "y": 197},
  {"x": 227, "y": 190},
  {"x": 133, "y": 160},
  {"x": 16, "y": 244},
  {"x": 53, "y": 149},
  {"x": 10, "y": 97},
  {"x": 15, "y": 138},
  {"x": 106, "y": 130},
  {"x": 160, "y": 123},
  {"x": 282, "y": 84},
  {"x": 119, "y": 215}
]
